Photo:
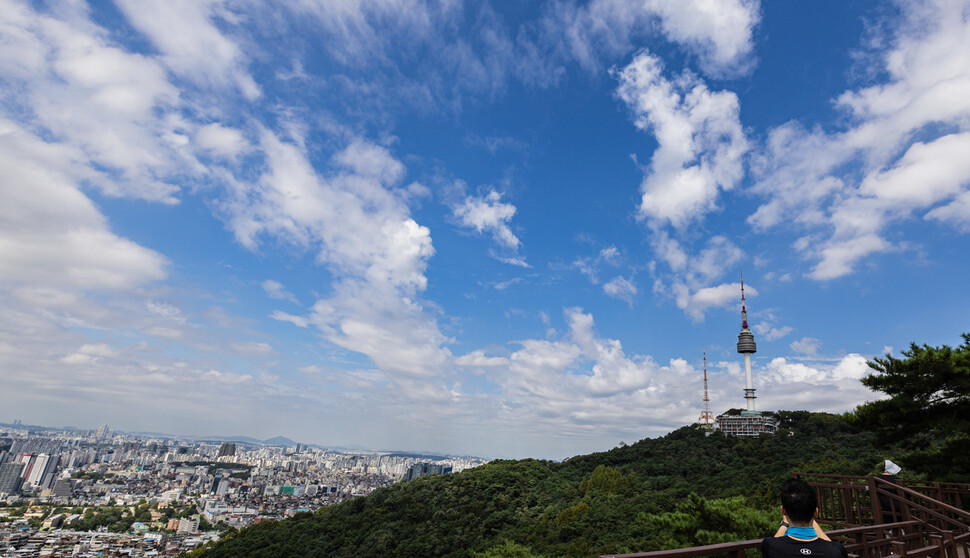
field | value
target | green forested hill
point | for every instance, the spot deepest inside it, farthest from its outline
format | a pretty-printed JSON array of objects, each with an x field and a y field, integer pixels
[{"x": 682, "y": 489}]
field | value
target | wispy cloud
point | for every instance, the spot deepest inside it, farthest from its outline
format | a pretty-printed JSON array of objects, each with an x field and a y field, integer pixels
[
  {"x": 276, "y": 290},
  {"x": 621, "y": 288},
  {"x": 182, "y": 29}
]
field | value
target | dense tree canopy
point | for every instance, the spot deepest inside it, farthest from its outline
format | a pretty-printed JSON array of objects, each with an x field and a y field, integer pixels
[
  {"x": 687, "y": 488},
  {"x": 928, "y": 409}
]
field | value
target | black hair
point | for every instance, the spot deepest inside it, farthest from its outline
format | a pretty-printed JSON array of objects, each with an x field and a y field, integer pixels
[{"x": 799, "y": 500}]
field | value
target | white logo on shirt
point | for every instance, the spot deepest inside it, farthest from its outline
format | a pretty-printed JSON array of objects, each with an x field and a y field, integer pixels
[{"x": 805, "y": 551}]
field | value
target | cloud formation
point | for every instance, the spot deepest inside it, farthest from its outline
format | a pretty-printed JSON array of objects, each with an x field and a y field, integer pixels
[
  {"x": 700, "y": 151},
  {"x": 490, "y": 214},
  {"x": 361, "y": 229},
  {"x": 182, "y": 29},
  {"x": 701, "y": 141},
  {"x": 50, "y": 232},
  {"x": 910, "y": 132}
]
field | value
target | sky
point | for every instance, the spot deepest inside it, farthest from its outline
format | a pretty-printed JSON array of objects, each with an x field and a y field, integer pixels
[{"x": 503, "y": 229}]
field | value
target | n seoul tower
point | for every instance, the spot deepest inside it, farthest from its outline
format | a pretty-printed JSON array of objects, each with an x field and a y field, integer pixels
[{"x": 746, "y": 347}]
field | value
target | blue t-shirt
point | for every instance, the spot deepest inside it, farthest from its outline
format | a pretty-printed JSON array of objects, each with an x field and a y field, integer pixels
[{"x": 787, "y": 547}]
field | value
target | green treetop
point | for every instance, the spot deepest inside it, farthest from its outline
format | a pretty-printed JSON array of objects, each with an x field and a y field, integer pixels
[{"x": 928, "y": 410}]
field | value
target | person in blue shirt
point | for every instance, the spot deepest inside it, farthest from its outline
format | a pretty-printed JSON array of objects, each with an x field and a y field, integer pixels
[{"x": 799, "y": 535}]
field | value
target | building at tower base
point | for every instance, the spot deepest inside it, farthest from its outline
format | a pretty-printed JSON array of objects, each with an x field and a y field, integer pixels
[{"x": 747, "y": 423}]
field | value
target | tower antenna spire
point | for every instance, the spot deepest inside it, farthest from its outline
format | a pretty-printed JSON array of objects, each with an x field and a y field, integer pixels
[
  {"x": 706, "y": 416},
  {"x": 744, "y": 309}
]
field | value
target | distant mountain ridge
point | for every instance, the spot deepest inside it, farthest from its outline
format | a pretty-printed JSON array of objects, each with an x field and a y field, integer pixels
[{"x": 279, "y": 441}]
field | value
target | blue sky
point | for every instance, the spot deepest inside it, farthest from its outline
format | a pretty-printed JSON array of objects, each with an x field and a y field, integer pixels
[{"x": 503, "y": 229}]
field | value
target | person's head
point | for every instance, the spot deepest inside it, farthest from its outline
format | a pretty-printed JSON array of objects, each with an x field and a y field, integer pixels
[{"x": 799, "y": 501}]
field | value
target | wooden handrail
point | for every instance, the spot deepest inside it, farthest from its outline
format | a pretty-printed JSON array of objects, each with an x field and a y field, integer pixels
[
  {"x": 927, "y": 532},
  {"x": 916, "y": 494},
  {"x": 741, "y": 546}
]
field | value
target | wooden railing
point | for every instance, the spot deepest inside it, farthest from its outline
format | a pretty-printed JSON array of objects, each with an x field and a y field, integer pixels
[
  {"x": 847, "y": 501},
  {"x": 909, "y": 539},
  {"x": 933, "y": 523}
]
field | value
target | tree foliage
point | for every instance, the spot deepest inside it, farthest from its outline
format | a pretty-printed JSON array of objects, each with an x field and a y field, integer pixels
[
  {"x": 633, "y": 498},
  {"x": 698, "y": 521},
  {"x": 508, "y": 549},
  {"x": 928, "y": 410}
]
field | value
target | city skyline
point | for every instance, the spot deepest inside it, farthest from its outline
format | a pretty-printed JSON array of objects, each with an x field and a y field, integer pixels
[
  {"x": 472, "y": 228},
  {"x": 174, "y": 437}
]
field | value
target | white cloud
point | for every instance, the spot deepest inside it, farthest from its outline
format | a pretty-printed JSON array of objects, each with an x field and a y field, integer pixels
[
  {"x": 590, "y": 267},
  {"x": 925, "y": 174},
  {"x": 769, "y": 332},
  {"x": 910, "y": 134},
  {"x": 609, "y": 254},
  {"x": 764, "y": 323},
  {"x": 670, "y": 251},
  {"x": 97, "y": 349},
  {"x": 502, "y": 285},
  {"x": 816, "y": 386},
  {"x": 700, "y": 149},
  {"x": 298, "y": 321},
  {"x": 190, "y": 43},
  {"x": 220, "y": 140},
  {"x": 165, "y": 332},
  {"x": 359, "y": 28},
  {"x": 851, "y": 367},
  {"x": 719, "y": 34},
  {"x": 437, "y": 55},
  {"x": 89, "y": 353},
  {"x": 514, "y": 260},
  {"x": 116, "y": 109},
  {"x": 490, "y": 214},
  {"x": 621, "y": 288},
  {"x": 276, "y": 290},
  {"x": 718, "y": 255},
  {"x": 696, "y": 303},
  {"x": 252, "y": 348},
  {"x": 691, "y": 281},
  {"x": 478, "y": 358},
  {"x": 806, "y": 346},
  {"x": 356, "y": 219},
  {"x": 956, "y": 213},
  {"x": 701, "y": 141},
  {"x": 51, "y": 233},
  {"x": 78, "y": 358},
  {"x": 165, "y": 311}
]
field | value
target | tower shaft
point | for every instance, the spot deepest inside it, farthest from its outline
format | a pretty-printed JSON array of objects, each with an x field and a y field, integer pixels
[{"x": 749, "y": 396}]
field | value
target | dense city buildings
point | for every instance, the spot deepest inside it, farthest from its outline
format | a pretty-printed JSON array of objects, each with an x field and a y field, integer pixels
[{"x": 65, "y": 491}]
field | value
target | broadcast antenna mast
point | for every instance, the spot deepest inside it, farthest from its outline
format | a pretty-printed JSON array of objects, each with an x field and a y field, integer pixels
[{"x": 706, "y": 416}]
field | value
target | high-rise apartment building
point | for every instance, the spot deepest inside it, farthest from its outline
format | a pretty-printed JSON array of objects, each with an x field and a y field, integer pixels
[
  {"x": 42, "y": 472},
  {"x": 10, "y": 480}
]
